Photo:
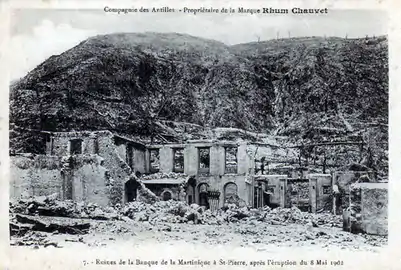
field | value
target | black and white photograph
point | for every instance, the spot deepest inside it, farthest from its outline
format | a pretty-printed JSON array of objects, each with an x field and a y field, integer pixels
[{"x": 246, "y": 126}]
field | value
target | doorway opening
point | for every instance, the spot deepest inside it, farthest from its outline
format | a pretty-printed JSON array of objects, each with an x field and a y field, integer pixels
[{"x": 131, "y": 187}]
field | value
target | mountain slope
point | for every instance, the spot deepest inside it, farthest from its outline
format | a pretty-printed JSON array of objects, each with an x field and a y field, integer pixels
[{"x": 310, "y": 89}]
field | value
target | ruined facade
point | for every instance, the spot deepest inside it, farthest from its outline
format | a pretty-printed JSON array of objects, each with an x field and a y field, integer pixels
[
  {"x": 96, "y": 167},
  {"x": 81, "y": 166},
  {"x": 215, "y": 170}
]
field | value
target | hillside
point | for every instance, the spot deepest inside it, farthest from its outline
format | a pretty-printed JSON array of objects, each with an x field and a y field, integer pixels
[{"x": 163, "y": 86}]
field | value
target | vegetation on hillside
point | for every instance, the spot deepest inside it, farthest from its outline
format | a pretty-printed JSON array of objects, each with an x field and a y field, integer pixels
[{"x": 312, "y": 90}]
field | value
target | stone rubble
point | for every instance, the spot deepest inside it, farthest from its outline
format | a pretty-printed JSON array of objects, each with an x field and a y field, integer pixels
[
  {"x": 161, "y": 175},
  {"x": 51, "y": 206},
  {"x": 23, "y": 214},
  {"x": 171, "y": 212},
  {"x": 180, "y": 212},
  {"x": 32, "y": 219},
  {"x": 34, "y": 239}
]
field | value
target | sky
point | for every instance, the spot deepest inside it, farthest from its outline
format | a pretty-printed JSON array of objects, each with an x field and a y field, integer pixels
[{"x": 37, "y": 34}]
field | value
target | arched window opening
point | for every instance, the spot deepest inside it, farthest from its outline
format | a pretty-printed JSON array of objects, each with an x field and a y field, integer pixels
[
  {"x": 230, "y": 191},
  {"x": 203, "y": 198},
  {"x": 167, "y": 196}
]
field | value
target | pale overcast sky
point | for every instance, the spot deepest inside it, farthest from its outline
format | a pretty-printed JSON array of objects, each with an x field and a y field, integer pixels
[{"x": 38, "y": 34}]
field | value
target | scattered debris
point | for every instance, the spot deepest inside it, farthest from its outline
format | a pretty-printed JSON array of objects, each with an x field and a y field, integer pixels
[
  {"x": 34, "y": 239},
  {"x": 174, "y": 220},
  {"x": 180, "y": 212},
  {"x": 50, "y": 206},
  {"x": 61, "y": 225},
  {"x": 144, "y": 194}
]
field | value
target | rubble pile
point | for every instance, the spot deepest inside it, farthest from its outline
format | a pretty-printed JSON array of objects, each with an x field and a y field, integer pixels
[
  {"x": 295, "y": 216},
  {"x": 34, "y": 230},
  {"x": 170, "y": 212},
  {"x": 34, "y": 239},
  {"x": 51, "y": 206},
  {"x": 281, "y": 216},
  {"x": 46, "y": 214},
  {"x": 89, "y": 224},
  {"x": 161, "y": 211},
  {"x": 42, "y": 205},
  {"x": 235, "y": 199},
  {"x": 161, "y": 175},
  {"x": 36, "y": 223},
  {"x": 145, "y": 194},
  {"x": 180, "y": 212}
]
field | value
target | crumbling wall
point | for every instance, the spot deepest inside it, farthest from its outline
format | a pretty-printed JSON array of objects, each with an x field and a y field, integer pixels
[
  {"x": 61, "y": 142},
  {"x": 166, "y": 156},
  {"x": 191, "y": 160},
  {"x": 144, "y": 194},
  {"x": 343, "y": 181},
  {"x": 273, "y": 187},
  {"x": 97, "y": 177},
  {"x": 314, "y": 194},
  {"x": 80, "y": 178},
  {"x": 34, "y": 175},
  {"x": 89, "y": 179},
  {"x": 118, "y": 168},
  {"x": 97, "y": 173},
  {"x": 139, "y": 160},
  {"x": 297, "y": 194},
  {"x": 324, "y": 192},
  {"x": 368, "y": 210},
  {"x": 121, "y": 149}
]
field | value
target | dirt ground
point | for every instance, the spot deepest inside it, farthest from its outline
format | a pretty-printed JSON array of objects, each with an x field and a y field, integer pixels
[
  {"x": 45, "y": 223},
  {"x": 257, "y": 235}
]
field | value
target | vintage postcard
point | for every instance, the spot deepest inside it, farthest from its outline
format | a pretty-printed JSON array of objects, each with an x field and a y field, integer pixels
[{"x": 201, "y": 134}]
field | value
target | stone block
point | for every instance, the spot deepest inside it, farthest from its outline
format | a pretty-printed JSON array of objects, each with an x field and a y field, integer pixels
[{"x": 368, "y": 211}]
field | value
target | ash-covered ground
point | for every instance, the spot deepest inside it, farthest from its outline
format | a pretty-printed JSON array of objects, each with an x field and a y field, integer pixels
[{"x": 44, "y": 222}]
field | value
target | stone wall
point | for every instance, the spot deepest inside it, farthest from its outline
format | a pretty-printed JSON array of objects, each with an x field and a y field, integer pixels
[
  {"x": 139, "y": 161},
  {"x": 97, "y": 173},
  {"x": 313, "y": 194},
  {"x": 34, "y": 175},
  {"x": 79, "y": 178},
  {"x": 343, "y": 180},
  {"x": 119, "y": 170},
  {"x": 273, "y": 186},
  {"x": 113, "y": 150},
  {"x": 59, "y": 144},
  {"x": 368, "y": 210},
  {"x": 191, "y": 158},
  {"x": 217, "y": 177},
  {"x": 89, "y": 179},
  {"x": 298, "y": 193},
  {"x": 324, "y": 192},
  {"x": 99, "y": 142}
]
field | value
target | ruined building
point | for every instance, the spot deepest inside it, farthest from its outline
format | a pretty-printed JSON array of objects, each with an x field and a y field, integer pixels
[
  {"x": 95, "y": 167},
  {"x": 98, "y": 167}
]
